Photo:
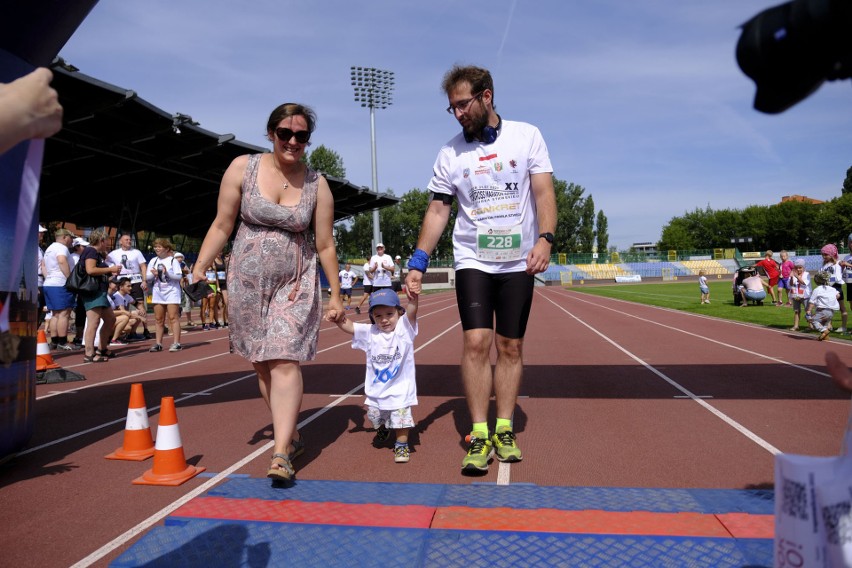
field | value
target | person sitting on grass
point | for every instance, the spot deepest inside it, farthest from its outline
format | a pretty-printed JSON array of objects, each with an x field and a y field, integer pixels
[
  {"x": 823, "y": 304},
  {"x": 752, "y": 289}
]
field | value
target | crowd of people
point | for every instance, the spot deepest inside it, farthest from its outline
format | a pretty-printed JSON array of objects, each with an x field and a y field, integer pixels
[
  {"x": 117, "y": 313},
  {"x": 820, "y": 296}
]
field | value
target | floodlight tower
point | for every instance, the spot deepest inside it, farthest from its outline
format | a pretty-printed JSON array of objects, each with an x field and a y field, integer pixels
[{"x": 374, "y": 89}]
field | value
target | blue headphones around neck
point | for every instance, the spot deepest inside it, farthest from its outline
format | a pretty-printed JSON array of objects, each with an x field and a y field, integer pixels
[{"x": 488, "y": 134}]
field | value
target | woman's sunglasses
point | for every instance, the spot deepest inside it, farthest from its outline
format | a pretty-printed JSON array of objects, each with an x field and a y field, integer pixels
[{"x": 285, "y": 134}]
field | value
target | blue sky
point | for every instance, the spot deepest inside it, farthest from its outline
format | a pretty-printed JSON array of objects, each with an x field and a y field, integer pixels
[{"x": 641, "y": 103}]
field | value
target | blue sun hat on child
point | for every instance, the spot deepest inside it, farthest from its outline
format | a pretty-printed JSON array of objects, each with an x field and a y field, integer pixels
[{"x": 385, "y": 297}]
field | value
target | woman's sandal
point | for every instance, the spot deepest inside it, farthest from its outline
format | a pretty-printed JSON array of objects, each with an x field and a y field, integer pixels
[
  {"x": 281, "y": 470},
  {"x": 106, "y": 353},
  {"x": 95, "y": 359}
]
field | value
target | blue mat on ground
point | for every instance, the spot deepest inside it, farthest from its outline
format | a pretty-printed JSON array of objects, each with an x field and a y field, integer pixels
[{"x": 211, "y": 543}]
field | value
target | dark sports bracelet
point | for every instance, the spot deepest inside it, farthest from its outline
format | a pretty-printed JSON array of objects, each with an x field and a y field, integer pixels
[{"x": 419, "y": 261}]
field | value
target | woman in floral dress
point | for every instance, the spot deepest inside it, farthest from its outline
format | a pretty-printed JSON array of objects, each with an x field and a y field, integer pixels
[{"x": 285, "y": 212}]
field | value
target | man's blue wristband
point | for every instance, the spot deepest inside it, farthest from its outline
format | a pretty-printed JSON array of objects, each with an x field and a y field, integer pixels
[{"x": 419, "y": 261}]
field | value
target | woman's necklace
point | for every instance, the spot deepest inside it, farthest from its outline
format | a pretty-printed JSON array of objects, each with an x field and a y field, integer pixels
[{"x": 278, "y": 169}]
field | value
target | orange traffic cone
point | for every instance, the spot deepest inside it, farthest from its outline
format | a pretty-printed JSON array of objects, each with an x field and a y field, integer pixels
[
  {"x": 138, "y": 443},
  {"x": 170, "y": 467},
  {"x": 44, "y": 360}
]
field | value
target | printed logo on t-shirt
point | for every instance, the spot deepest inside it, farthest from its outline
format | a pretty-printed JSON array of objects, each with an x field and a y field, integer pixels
[{"x": 386, "y": 367}]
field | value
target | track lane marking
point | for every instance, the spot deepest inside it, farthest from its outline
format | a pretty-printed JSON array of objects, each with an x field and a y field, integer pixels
[
  {"x": 685, "y": 332},
  {"x": 718, "y": 413}
]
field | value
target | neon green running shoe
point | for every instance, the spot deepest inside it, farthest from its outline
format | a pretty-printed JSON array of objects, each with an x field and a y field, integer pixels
[
  {"x": 506, "y": 448},
  {"x": 478, "y": 453}
]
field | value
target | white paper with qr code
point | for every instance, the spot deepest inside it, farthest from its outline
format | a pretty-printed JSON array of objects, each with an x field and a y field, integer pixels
[{"x": 813, "y": 498}]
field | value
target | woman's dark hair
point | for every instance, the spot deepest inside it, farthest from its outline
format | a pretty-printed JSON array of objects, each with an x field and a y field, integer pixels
[{"x": 291, "y": 109}]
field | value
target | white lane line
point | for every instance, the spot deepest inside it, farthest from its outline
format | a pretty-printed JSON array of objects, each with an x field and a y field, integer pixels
[
  {"x": 504, "y": 473},
  {"x": 118, "y": 351},
  {"x": 125, "y": 377},
  {"x": 150, "y": 410},
  {"x": 719, "y": 414},
  {"x": 699, "y": 336},
  {"x": 129, "y": 535}
]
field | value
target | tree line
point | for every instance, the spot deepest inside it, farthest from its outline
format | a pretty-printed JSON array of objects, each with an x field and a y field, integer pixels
[
  {"x": 579, "y": 228},
  {"x": 792, "y": 225}
]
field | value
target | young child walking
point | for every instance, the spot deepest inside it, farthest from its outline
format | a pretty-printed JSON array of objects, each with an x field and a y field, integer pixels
[
  {"x": 823, "y": 304},
  {"x": 702, "y": 285},
  {"x": 800, "y": 290},
  {"x": 390, "y": 386}
]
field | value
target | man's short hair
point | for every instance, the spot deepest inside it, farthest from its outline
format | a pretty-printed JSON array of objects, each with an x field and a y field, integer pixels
[
  {"x": 478, "y": 78},
  {"x": 122, "y": 280}
]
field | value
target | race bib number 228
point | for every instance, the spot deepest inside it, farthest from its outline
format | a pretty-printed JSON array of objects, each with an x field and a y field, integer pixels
[{"x": 498, "y": 244}]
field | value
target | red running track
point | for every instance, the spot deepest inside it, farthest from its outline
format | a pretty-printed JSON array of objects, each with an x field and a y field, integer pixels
[{"x": 615, "y": 394}]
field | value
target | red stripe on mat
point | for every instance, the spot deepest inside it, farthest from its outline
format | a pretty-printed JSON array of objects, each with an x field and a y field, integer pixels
[
  {"x": 743, "y": 525},
  {"x": 326, "y": 513},
  {"x": 601, "y": 522},
  {"x": 736, "y": 525}
]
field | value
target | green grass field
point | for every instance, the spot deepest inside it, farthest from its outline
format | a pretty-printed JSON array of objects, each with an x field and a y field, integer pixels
[{"x": 685, "y": 296}]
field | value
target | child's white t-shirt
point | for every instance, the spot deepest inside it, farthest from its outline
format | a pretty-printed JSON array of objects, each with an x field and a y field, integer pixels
[
  {"x": 800, "y": 286},
  {"x": 390, "y": 382},
  {"x": 825, "y": 297}
]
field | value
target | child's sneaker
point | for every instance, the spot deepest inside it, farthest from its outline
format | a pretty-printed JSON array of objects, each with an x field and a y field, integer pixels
[
  {"x": 382, "y": 435},
  {"x": 401, "y": 453},
  {"x": 175, "y": 347},
  {"x": 504, "y": 444},
  {"x": 156, "y": 347},
  {"x": 478, "y": 452}
]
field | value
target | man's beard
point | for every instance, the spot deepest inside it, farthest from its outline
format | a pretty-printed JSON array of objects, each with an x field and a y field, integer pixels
[{"x": 476, "y": 125}]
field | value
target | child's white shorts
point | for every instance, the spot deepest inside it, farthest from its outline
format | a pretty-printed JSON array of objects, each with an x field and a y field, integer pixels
[{"x": 392, "y": 419}]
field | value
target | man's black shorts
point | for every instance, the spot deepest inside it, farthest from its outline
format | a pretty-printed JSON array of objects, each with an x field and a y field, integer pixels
[
  {"x": 137, "y": 293},
  {"x": 482, "y": 297}
]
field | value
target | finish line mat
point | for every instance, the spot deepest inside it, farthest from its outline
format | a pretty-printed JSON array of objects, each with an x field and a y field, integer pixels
[{"x": 247, "y": 522}]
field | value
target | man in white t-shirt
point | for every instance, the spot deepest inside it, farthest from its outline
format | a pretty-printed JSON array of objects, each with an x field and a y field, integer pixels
[
  {"x": 56, "y": 267},
  {"x": 347, "y": 281},
  {"x": 500, "y": 174},
  {"x": 133, "y": 266},
  {"x": 381, "y": 265},
  {"x": 368, "y": 286}
]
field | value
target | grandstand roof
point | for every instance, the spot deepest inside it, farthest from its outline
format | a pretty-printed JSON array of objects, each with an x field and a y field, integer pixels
[{"x": 120, "y": 161}]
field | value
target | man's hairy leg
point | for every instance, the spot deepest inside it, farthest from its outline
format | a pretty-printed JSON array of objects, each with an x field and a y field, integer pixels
[
  {"x": 476, "y": 372},
  {"x": 507, "y": 374}
]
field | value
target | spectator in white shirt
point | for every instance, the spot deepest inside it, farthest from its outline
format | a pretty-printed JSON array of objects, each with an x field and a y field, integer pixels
[
  {"x": 381, "y": 265},
  {"x": 57, "y": 267}
]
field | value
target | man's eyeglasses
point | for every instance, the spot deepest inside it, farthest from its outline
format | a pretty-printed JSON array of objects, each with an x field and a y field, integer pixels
[
  {"x": 285, "y": 134},
  {"x": 462, "y": 105}
]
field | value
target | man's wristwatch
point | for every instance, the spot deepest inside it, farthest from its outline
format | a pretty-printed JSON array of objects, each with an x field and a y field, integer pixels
[{"x": 547, "y": 236}]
